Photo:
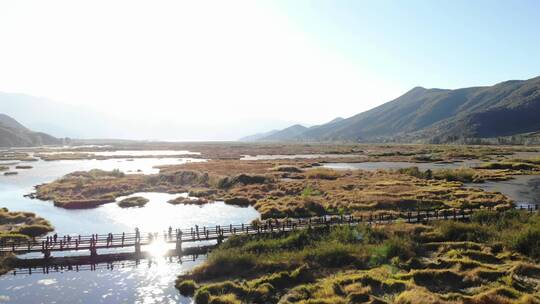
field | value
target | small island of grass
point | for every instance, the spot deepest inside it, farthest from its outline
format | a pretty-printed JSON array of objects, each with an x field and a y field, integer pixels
[
  {"x": 187, "y": 201},
  {"x": 16, "y": 226},
  {"x": 23, "y": 167},
  {"x": 135, "y": 201}
]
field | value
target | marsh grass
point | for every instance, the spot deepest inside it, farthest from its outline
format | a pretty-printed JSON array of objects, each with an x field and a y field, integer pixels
[
  {"x": 312, "y": 192},
  {"x": 323, "y": 173},
  {"x": 134, "y": 201},
  {"x": 471, "y": 262},
  {"x": 19, "y": 226}
]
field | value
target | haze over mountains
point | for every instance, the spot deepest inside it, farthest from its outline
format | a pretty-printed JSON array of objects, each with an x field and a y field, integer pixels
[
  {"x": 420, "y": 115},
  {"x": 13, "y": 134},
  {"x": 91, "y": 122},
  {"x": 435, "y": 115}
]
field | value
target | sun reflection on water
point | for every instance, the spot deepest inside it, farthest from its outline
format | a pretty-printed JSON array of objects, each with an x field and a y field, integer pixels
[{"x": 158, "y": 248}]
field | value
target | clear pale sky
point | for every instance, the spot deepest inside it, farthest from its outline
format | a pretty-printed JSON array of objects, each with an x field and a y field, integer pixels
[{"x": 265, "y": 63}]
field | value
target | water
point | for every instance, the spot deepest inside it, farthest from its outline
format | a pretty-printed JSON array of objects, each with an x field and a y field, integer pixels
[
  {"x": 523, "y": 189},
  {"x": 145, "y": 153},
  {"x": 152, "y": 281},
  {"x": 372, "y": 166},
  {"x": 298, "y": 156}
]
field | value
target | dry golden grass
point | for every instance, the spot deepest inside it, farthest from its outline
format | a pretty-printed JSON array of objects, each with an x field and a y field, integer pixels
[
  {"x": 277, "y": 194},
  {"x": 399, "y": 263}
]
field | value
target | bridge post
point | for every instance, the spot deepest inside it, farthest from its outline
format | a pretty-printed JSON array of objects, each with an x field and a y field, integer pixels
[
  {"x": 93, "y": 249},
  {"x": 179, "y": 242},
  {"x": 45, "y": 249},
  {"x": 220, "y": 236},
  {"x": 137, "y": 242}
]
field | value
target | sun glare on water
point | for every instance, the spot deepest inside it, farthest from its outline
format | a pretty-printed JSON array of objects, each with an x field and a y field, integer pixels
[{"x": 157, "y": 248}]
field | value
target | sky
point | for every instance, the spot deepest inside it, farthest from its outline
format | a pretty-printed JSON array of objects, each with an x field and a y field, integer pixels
[{"x": 218, "y": 70}]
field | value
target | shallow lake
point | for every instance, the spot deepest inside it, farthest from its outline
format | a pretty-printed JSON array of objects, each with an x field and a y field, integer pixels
[
  {"x": 523, "y": 189},
  {"x": 145, "y": 152},
  {"x": 152, "y": 281},
  {"x": 297, "y": 156},
  {"x": 372, "y": 166}
]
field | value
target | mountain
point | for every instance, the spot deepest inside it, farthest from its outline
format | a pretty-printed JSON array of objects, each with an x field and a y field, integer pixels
[
  {"x": 79, "y": 121},
  {"x": 286, "y": 134},
  {"x": 294, "y": 132},
  {"x": 14, "y": 134},
  {"x": 258, "y": 136},
  {"x": 441, "y": 115}
]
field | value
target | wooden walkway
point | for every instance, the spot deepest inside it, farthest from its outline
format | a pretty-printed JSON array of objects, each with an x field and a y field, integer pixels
[{"x": 92, "y": 243}]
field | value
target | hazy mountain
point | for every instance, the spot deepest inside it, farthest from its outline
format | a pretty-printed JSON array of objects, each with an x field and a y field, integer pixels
[
  {"x": 439, "y": 115},
  {"x": 286, "y": 134},
  {"x": 76, "y": 121},
  {"x": 14, "y": 134},
  {"x": 61, "y": 120},
  {"x": 258, "y": 136},
  {"x": 294, "y": 132}
]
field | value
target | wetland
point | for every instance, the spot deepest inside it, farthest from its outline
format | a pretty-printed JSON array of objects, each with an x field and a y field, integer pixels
[{"x": 154, "y": 188}]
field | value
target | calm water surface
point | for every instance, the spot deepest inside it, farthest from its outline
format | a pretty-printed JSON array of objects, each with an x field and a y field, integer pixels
[
  {"x": 298, "y": 156},
  {"x": 523, "y": 189},
  {"x": 372, "y": 166},
  {"x": 151, "y": 281}
]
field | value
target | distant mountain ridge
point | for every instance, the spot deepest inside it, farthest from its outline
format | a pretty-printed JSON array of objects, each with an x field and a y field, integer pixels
[
  {"x": 14, "y": 134},
  {"x": 439, "y": 115},
  {"x": 291, "y": 133},
  {"x": 258, "y": 136}
]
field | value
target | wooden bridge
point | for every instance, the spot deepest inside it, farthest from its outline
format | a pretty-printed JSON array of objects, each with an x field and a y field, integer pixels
[{"x": 93, "y": 243}]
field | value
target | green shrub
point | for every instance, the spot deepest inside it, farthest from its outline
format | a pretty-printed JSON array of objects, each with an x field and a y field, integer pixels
[
  {"x": 202, "y": 297},
  {"x": 528, "y": 242},
  {"x": 331, "y": 254},
  {"x": 415, "y": 172},
  {"x": 309, "y": 191},
  {"x": 222, "y": 263},
  {"x": 392, "y": 248},
  {"x": 225, "y": 299},
  {"x": 134, "y": 201},
  {"x": 465, "y": 175},
  {"x": 509, "y": 165},
  {"x": 34, "y": 230},
  {"x": 459, "y": 231},
  {"x": 323, "y": 173},
  {"x": 187, "y": 287}
]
